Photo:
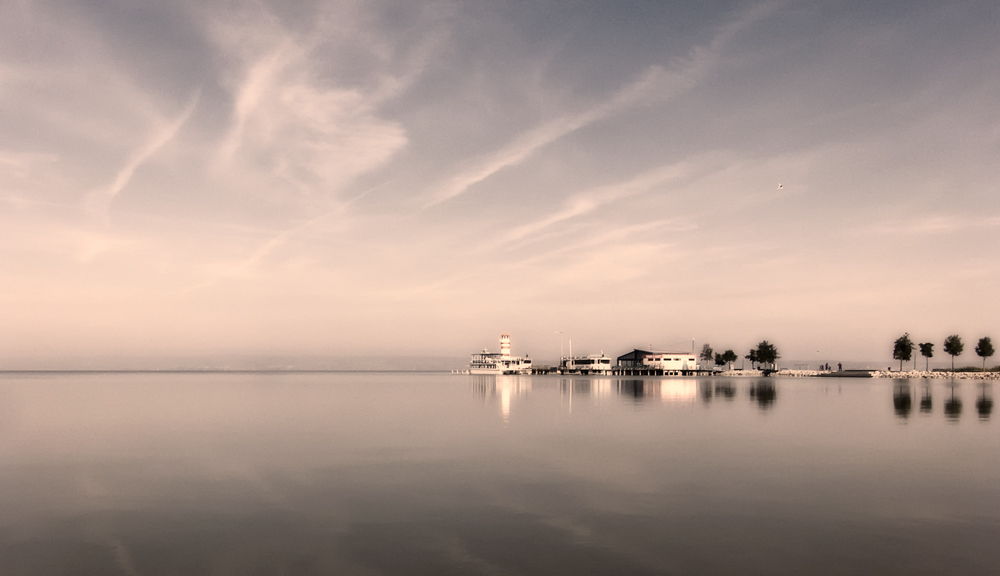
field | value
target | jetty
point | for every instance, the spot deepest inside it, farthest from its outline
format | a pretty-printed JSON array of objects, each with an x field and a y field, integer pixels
[{"x": 847, "y": 374}]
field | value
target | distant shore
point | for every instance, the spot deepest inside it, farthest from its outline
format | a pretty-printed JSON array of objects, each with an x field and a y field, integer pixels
[{"x": 911, "y": 374}]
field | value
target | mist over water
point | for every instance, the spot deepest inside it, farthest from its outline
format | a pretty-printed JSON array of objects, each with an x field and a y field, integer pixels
[{"x": 430, "y": 473}]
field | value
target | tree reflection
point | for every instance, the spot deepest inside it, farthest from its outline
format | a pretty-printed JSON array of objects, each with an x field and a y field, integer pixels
[
  {"x": 902, "y": 401},
  {"x": 984, "y": 406},
  {"x": 727, "y": 390},
  {"x": 706, "y": 391},
  {"x": 953, "y": 406},
  {"x": 764, "y": 393},
  {"x": 926, "y": 402}
]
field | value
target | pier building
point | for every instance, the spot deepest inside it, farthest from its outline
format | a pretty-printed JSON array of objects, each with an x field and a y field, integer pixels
[
  {"x": 592, "y": 364},
  {"x": 650, "y": 363}
]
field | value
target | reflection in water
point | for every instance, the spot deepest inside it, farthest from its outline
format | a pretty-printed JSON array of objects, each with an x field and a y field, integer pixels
[
  {"x": 706, "y": 391},
  {"x": 595, "y": 387},
  {"x": 633, "y": 388},
  {"x": 902, "y": 401},
  {"x": 712, "y": 389},
  {"x": 505, "y": 390},
  {"x": 678, "y": 390},
  {"x": 984, "y": 405},
  {"x": 726, "y": 390},
  {"x": 504, "y": 387},
  {"x": 764, "y": 393},
  {"x": 665, "y": 390},
  {"x": 953, "y": 407},
  {"x": 398, "y": 473},
  {"x": 926, "y": 403}
]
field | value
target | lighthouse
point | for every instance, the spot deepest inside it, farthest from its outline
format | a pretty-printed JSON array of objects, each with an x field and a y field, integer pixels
[{"x": 500, "y": 363}]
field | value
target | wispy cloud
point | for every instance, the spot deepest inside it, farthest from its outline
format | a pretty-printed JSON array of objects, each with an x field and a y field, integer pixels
[
  {"x": 285, "y": 235},
  {"x": 531, "y": 141},
  {"x": 657, "y": 84},
  {"x": 98, "y": 200},
  {"x": 294, "y": 129},
  {"x": 590, "y": 200},
  {"x": 931, "y": 225},
  {"x": 21, "y": 170}
]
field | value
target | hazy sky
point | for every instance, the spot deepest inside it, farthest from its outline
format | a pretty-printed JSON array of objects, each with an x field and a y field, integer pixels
[{"x": 417, "y": 177}]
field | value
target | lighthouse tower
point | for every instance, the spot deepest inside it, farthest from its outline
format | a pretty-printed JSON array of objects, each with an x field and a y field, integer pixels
[{"x": 505, "y": 345}]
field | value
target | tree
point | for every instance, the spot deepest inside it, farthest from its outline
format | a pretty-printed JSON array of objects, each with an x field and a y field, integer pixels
[
  {"x": 767, "y": 353},
  {"x": 984, "y": 349},
  {"x": 752, "y": 357},
  {"x": 927, "y": 351},
  {"x": 953, "y": 346},
  {"x": 707, "y": 354},
  {"x": 719, "y": 360},
  {"x": 729, "y": 357},
  {"x": 903, "y": 350}
]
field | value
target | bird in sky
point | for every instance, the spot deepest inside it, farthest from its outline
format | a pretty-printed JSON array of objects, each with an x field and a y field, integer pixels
[{"x": 780, "y": 186}]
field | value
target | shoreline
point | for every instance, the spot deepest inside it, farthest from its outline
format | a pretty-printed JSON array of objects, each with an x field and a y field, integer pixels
[{"x": 908, "y": 375}]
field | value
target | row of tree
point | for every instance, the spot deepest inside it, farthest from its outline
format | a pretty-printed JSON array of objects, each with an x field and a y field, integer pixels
[
  {"x": 903, "y": 349},
  {"x": 765, "y": 353}
]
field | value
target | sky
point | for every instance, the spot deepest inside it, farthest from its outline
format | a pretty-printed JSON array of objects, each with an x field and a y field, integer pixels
[{"x": 415, "y": 178}]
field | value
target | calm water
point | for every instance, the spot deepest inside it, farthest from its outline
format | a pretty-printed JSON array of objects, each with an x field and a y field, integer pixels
[{"x": 382, "y": 473}]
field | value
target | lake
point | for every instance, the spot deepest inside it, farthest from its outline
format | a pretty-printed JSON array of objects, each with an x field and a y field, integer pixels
[{"x": 433, "y": 473}]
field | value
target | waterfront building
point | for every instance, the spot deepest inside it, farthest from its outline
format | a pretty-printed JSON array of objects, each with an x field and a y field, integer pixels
[
  {"x": 592, "y": 364},
  {"x": 647, "y": 362}
]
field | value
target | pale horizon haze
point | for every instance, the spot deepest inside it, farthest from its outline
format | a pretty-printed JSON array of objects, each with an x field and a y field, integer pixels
[{"x": 415, "y": 178}]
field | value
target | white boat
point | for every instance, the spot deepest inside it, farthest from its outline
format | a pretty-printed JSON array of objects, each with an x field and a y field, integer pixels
[
  {"x": 502, "y": 362},
  {"x": 592, "y": 364}
]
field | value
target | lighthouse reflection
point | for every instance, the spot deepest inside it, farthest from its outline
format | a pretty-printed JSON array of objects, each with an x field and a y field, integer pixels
[{"x": 505, "y": 388}]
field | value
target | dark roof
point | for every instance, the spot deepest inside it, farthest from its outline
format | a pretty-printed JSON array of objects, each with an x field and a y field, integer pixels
[{"x": 634, "y": 355}]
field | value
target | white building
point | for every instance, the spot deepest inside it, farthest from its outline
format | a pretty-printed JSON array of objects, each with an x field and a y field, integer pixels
[
  {"x": 592, "y": 364},
  {"x": 670, "y": 362}
]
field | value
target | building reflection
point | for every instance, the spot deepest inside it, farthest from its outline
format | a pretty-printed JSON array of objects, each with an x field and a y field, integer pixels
[
  {"x": 902, "y": 400},
  {"x": 504, "y": 388},
  {"x": 670, "y": 390},
  {"x": 762, "y": 392},
  {"x": 586, "y": 386},
  {"x": 594, "y": 388},
  {"x": 505, "y": 391}
]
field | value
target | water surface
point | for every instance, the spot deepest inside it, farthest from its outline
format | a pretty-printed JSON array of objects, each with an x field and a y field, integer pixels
[{"x": 401, "y": 473}]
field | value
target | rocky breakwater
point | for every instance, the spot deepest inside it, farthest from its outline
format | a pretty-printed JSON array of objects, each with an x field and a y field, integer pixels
[
  {"x": 938, "y": 375},
  {"x": 799, "y": 373},
  {"x": 782, "y": 373}
]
